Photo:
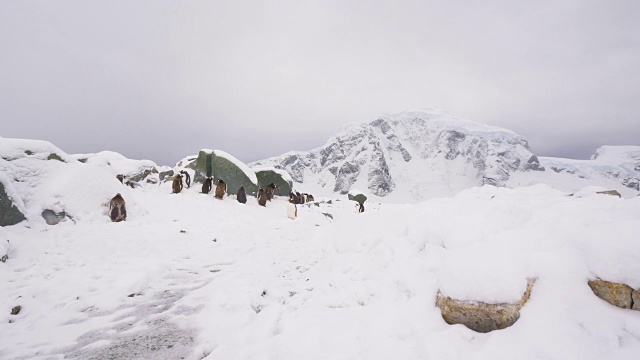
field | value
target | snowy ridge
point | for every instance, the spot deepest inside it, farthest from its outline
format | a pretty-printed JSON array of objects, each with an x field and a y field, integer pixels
[
  {"x": 410, "y": 156},
  {"x": 612, "y": 167},
  {"x": 116, "y": 163}
]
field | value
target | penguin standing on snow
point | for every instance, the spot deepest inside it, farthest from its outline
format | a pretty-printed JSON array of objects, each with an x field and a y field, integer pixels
[
  {"x": 242, "y": 195},
  {"x": 292, "y": 211}
]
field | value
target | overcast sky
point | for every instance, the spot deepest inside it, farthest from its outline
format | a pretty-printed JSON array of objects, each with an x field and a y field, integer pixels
[{"x": 162, "y": 79}]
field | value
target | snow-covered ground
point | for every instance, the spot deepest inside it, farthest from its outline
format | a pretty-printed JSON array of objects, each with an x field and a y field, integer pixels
[{"x": 188, "y": 276}]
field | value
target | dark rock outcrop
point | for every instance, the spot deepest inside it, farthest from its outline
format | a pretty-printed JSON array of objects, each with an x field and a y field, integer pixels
[{"x": 9, "y": 213}]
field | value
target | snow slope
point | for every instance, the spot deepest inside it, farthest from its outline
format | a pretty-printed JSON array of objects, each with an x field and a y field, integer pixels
[{"x": 200, "y": 278}]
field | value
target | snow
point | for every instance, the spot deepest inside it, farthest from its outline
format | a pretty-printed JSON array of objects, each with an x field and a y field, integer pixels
[
  {"x": 617, "y": 154},
  {"x": 116, "y": 163},
  {"x": 188, "y": 276},
  {"x": 5, "y": 246},
  {"x": 182, "y": 163},
  {"x": 443, "y": 119},
  {"x": 253, "y": 284},
  {"x": 356, "y": 192}
]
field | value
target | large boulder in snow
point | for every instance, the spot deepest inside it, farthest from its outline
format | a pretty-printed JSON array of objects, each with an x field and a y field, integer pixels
[
  {"x": 616, "y": 294},
  {"x": 9, "y": 213},
  {"x": 481, "y": 316},
  {"x": 357, "y": 196},
  {"x": 222, "y": 165},
  {"x": 268, "y": 175}
]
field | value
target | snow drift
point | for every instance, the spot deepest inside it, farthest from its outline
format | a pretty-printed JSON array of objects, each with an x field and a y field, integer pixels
[{"x": 39, "y": 176}]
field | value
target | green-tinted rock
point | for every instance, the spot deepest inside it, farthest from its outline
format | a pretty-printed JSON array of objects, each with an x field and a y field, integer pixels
[
  {"x": 52, "y": 217},
  {"x": 266, "y": 177},
  {"x": 202, "y": 166},
  {"x": 54, "y": 156},
  {"x": 164, "y": 174},
  {"x": 232, "y": 175},
  {"x": 359, "y": 198},
  {"x": 140, "y": 175},
  {"x": 9, "y": 213},
  {"x": 210, "y": 164},
  {"x": 610, "y": 192}
]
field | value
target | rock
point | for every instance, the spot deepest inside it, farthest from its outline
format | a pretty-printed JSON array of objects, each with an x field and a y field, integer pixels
[
  {"x": 141, "y": 175},
  {"x": 54, "y": 156},
  {"x": 480, "y": 316},
  {"x": 610, "y": 192},
  {"x": 9, "y": 213},
  {"x": 616, "y": 294},
  {"x": 359, "y": 198},
  {"x": 164, "y": 174},
  {"x": 52, "y": 217},
  {"x": 347, "y": 175},
  {"x": 16, "y": 310},
  {"x": 635, "y": 296},
  {"x": 203, "y": 166},
  {"x": 223, "y": 166},
  {"x": 268, "y": 176}
]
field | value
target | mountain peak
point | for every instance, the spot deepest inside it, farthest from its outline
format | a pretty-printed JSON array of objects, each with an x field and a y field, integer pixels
[{"x": 410, "y": 156}]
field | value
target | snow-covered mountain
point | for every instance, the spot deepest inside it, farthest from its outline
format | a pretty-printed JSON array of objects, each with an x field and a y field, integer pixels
[
  {"x": 410, "y": 156},
  {"x": 619, "y": 163},
  {"x": 613, "y": 167}
]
